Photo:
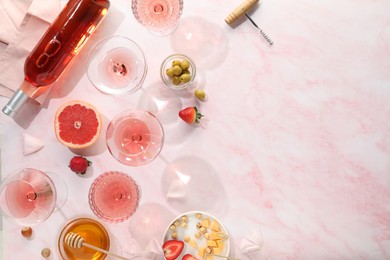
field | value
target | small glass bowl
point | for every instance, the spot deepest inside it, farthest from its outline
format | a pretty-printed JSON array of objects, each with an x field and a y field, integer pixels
[
  {"x": 116, "y": 65},
  {"x": 93, "y": 233},
  {"x": 167, "y": 63}
]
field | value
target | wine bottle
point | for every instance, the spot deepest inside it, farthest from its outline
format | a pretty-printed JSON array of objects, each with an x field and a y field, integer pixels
[{"x": 62, "y": 41}]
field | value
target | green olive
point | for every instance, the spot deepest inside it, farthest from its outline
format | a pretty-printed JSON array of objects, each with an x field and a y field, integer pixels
[
  {"x": 169, "y": 72},
  {"x": 185, "y": 64},
  {"x": 200, "y": 94},
  {"x": 177, "y": 70},
  {"x": 176, "y": 80},
  {"x": 176, "y": 63},
  {"x": 185, "y": 72},
  {"x": 184, "y": 78}
]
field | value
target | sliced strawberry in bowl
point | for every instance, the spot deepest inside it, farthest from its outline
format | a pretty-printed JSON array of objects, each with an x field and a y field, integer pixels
[
  {"x": 172, "y": 249},
  {"x": 189, "y": 257}
]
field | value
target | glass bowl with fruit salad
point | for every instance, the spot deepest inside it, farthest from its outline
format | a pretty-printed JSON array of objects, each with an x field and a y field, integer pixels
[
  {"x": 178, "y": 71},
  {"x": 196, "y": 235}
]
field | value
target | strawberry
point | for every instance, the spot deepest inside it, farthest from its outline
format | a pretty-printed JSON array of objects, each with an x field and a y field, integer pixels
[
  {"x": 172, "y": 249},
  {"x": 190, "y": 115},
  {"x": 189, "y": 257},
  {"x": 79, "y": 164}
]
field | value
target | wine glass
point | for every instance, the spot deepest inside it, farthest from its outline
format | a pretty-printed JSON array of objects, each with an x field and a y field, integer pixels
[
  {"x": 114, "y": 196},
  {"x": 189, "y": 181},
  {"x": 116, "y": 65},
  {"x": 29, "y": 196},
  {"x": 160, "y": 17},
  {"x": 135, "y": 137}
]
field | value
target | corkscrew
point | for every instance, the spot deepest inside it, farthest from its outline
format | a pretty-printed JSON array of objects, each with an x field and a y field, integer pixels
[
  {"x": 240, "y": 11},
  {"x": 266, "y": 37}
]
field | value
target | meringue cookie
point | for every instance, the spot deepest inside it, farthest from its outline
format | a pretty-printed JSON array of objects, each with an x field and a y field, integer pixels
[
  {"x": 31, "y": 144},
  {"x": 252, "y": 242}
]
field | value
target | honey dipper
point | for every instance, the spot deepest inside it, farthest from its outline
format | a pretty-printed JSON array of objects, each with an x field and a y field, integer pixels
[{"x": 77, "y": 241}]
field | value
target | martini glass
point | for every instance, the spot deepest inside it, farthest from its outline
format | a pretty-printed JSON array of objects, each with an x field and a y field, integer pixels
[
  {"x": 117, "y": 66},
  {"x": 29, "y": 196},
  {"x": 160, "y": 17},
  {"x": 135, "y": 137},
  {"x": 114, "y": 196}
]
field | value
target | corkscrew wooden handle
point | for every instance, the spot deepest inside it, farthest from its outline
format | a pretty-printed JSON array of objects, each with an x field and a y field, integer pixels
[{"x": 240, "y": 11}]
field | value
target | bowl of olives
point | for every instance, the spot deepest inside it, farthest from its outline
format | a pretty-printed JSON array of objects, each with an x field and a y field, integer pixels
[{"x": 178, "y": 71}]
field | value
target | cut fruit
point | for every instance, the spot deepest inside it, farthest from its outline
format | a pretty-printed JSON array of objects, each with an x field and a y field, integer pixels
[
  {"x": 215, "y": 226},
  {"x": 212, "y": 243},
  {"x": 193, "y": 244},
  {"x": 218, "y": 250},
  {"x": 202, "y": 251},
  {"x": 172, "y": 249},
  {"x": 189, "y": 257},
  {"x": 206, "y": 223},
  {"x": 77, "y": 124}
]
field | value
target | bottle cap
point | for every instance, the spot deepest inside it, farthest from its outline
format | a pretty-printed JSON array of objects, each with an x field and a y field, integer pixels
[{"x": 15, "y": 103}]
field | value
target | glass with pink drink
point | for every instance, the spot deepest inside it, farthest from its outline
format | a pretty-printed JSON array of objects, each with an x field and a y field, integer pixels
[
  {"x": 29, "y": 196},
  {"x": 160, "y": 17},
  {"x": 117, "y": 66},
  {"x": 114, "y": 196},
  {"x": 135, "y": 137}
]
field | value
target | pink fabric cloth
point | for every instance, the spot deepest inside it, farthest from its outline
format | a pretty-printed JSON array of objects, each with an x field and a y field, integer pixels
[{"x": 22, "y": 24}]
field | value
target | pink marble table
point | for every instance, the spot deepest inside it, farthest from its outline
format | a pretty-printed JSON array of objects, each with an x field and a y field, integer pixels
[{"x": 294, "y": 146}]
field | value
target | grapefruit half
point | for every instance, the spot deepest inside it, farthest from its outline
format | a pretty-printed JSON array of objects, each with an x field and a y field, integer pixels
[{"x": 77, "y": 124}]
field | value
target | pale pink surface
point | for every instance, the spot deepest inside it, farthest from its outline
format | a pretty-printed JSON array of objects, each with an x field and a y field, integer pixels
[{"x": 296, "y": 139}]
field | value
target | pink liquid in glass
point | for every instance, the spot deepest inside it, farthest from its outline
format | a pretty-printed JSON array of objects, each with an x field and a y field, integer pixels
[
  {"x": 29, "y": 196},
  {"x": 118, "y": 68},
  {"x": 132, "y": 136},
  {"x": 158, "y": 15},
  {"x": 114, "y": 196},
  {"x": 21, "y": 199}
]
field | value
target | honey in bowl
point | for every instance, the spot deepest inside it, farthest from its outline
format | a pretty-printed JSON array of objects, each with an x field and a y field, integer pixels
[{"x": 93, "y": 233}]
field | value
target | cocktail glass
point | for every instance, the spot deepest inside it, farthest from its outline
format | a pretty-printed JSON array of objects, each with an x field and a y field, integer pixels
[
  {"x": 29, "y": 196},
  {"x": 117, "y": 66},
  {"x": 160, "y": 17},
  {"x": 114, "y": 196},
  {"x": 135, "y": 137}
]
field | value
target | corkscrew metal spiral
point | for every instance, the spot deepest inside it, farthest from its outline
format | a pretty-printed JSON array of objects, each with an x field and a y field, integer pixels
[{"x": 266, "y": 37}]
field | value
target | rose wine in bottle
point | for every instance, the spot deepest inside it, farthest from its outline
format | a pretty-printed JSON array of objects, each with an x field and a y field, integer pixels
[{"x": 61, "y": 42}]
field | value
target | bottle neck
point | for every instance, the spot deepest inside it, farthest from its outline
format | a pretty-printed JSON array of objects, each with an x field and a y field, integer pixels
[
  {"x": 21, "y": 96},
  {"x": 15, "y": 103}
]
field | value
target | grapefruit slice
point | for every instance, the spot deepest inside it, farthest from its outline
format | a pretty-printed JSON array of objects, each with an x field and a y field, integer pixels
[{"x": 77, "y": 124}]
